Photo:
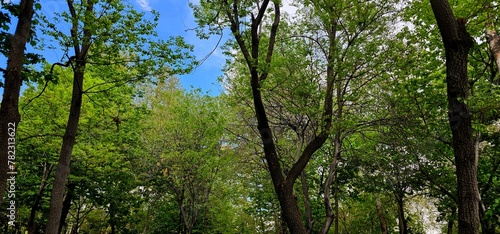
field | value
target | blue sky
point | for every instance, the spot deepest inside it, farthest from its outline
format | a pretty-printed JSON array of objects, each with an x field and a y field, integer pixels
[{"x": 176, "y": 18}]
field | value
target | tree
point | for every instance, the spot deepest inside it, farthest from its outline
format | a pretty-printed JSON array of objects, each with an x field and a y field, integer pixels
[
  {"x": 9, "y": 110},
  {"x": 283, "y": 184},
  {"x": 258, "y": 61},
  {"x": 457, "y": 43},
  {"x": 104, "y": 160},
  {"x": 333, "y": 121},
  {"x": 184, "y": 137},
  {"x": 347, "y": 36},
  {"x": 100, "y": 35}
]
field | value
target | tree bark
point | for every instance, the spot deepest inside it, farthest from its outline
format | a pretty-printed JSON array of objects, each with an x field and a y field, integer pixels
[
  {"x": 34, "y": 208},
  {"x": 494, "y": 44},
  {"x": 188, "y": 224},
  {"x": 451, "y": 222},
  {"x": 457, "y": 43},
  {"x": 380, "y": 213},
  {"x": 486, "y": 227},
  {"x": 403, "y": 226},
  {"x": 67, "y": 205},
  {"x": 307, "y": 203},
  {"x": 36, "y": 203},
  {"x": 336, "y": 197},
  {"x": 330, "y": 216},
  {"x": 493, "y": 41},
  {"x": 63, "y": 167},
  {"x": 9, "y": 109},
  {"x": 305, "y": 187},
  {"x": 450, "y": 226}
]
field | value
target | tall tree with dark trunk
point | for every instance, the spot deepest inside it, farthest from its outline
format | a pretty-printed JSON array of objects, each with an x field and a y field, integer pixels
[
  {"x": 81, "y": 50},
  {"x": 284, "y": 190},
  {"x": 9, "y": 113},
  {"x": 105, "y": 33},
  {"x": 402, "y": 222},
  {"x": 258, "y": 67},
  {"x": 457, "y": 43}
]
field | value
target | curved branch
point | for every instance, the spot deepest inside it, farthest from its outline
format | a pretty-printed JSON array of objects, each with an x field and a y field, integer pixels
[{"x": 48, "y": 80}]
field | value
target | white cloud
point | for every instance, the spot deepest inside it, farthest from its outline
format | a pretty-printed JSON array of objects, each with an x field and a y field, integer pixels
[{"x": 144, "y": 4}]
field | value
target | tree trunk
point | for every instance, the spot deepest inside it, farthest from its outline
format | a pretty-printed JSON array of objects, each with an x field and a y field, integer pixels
[
  {"x": 450, "y": 226},
  {"x": 34, "y": 208},
  {"x": 493, "y": 41},
  {"x": 67, "y": 205},
  {"x": 330, "y": 216},
  {"x": 451, "y": 222},
  {"x": 457, "y": 43},
  {"x": 403, "y": 227},
  {"x": 36, "y": 203},
  {"x": 307, "y": 203},
  {"x": 180, "y": 224},
  {"x": 280, "y": 222},
  {"x": 305, "y": 187},
  {"x": 187, "y": 220},
  {"x": 290, "y": 208},
  {"x": 63, "y": 166},
  {"x": 380, "y": 213},
  {"x": 336, "y": 197},
  {"x": 9, "y": 109},
  {"x": 486, "y": 227},
  {"x": 494, "y": 44}
]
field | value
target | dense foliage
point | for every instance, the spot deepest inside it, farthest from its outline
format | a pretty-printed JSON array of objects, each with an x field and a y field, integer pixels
[{"x": 336, "y": 117}]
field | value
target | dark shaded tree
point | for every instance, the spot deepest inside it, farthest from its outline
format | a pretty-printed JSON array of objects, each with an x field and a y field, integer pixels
[
  {"x": 257, "y": 61},
  {"x": 457, "y": 43},
  {"x": 9, "y": 110}
]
